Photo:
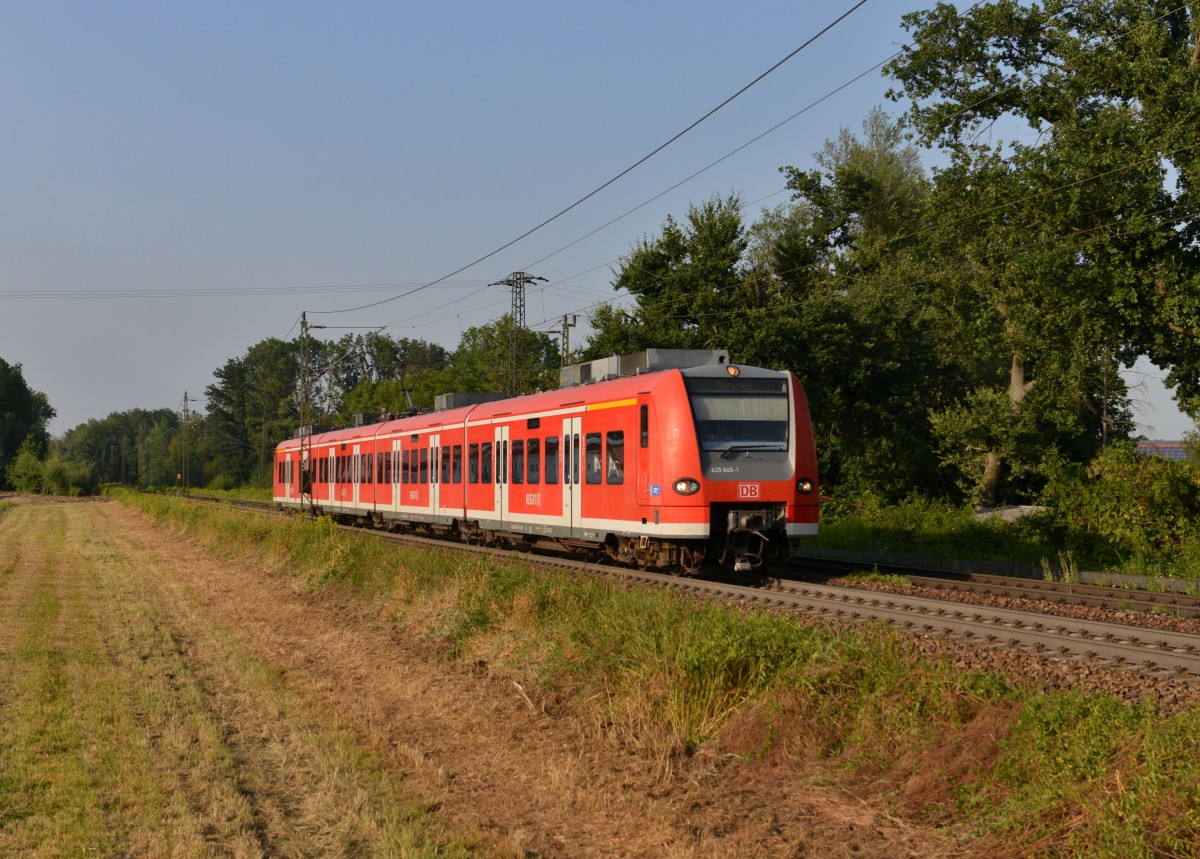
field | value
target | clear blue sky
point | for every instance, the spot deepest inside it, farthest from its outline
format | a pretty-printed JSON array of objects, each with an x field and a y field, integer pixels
[{"x": 180, "y": 181}]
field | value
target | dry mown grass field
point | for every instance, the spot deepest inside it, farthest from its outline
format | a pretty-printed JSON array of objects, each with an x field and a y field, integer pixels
[{"x": 156, "y": 700}]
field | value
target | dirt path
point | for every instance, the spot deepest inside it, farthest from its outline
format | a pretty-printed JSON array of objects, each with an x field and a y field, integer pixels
[{"x": 487, "y": 756}]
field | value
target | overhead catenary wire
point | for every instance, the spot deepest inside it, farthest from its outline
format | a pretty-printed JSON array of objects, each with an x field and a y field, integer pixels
[
  {"x": 618, "y": 176},
  {"x": 896, "y": 239}
]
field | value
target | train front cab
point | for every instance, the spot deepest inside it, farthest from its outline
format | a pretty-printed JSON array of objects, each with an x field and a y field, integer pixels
[{"x": 756, "y": 463}]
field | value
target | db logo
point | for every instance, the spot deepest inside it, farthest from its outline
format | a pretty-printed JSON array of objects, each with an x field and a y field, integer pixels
[{"x": 748, "y": 490}]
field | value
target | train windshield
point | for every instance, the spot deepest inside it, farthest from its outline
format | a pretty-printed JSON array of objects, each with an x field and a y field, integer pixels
[{"x": 740, "y": 414}]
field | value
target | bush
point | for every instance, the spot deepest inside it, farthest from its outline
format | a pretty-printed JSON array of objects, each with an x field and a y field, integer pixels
[
  {"x": 1125, "y": 505},
  {"x": 67, "y": 477},
  {"x": 24, "y": 473},
  {"x": 54, "y": 476},
  {"x": 222, "y": 483}
]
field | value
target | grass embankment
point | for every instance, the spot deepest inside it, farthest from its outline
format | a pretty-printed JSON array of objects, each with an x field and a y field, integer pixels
[
  {"x": 131, "y": 725},
  {"x": 1027, "y": 774}
]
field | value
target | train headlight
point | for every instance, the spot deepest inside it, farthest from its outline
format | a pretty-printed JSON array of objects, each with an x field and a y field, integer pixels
[
  {"x": 805, "y": 486},
  {"x": 686, "y": 486}
]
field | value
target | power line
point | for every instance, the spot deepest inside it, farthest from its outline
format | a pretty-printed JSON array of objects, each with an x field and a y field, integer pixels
[
  {"x": 624, "y": 172},
  {"x": 208, "y": 292}
]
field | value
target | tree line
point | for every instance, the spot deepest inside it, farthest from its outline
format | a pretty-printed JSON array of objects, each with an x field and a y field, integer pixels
[{"x": 960, "y": 330}]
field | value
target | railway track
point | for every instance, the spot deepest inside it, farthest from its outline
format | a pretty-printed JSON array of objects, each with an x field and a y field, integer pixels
[
  {"x": 1124, "y": 594},
  {"x": 1155, "y": 654}
]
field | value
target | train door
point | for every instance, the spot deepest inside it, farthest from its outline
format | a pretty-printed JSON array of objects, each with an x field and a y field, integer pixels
[
  {"x": 648, "y": 495},
  {"x": 355, "y": 474},
  {"x": 501, "y": 472},
  {"x": 397, "y": 499},
  {"x": 434, "y": 473},
  {"x": 331, "y": 476},
  {"x": 572, "y": 491}
]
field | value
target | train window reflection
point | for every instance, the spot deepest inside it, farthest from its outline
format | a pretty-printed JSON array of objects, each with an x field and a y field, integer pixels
[
  {"x": 593, "y": 465},
  {"x": 552, "y": 459},
  {"x": 614, "y": 467},
  {"x": 518, "y": 461},
  {"x": 535, "y": 460}
]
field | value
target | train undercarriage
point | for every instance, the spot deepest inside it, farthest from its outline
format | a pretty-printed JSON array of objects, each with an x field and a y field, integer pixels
[{"x": 741, "y": 540}]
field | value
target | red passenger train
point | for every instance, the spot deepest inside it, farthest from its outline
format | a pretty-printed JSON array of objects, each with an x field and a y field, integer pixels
[{"x": 673, "y": 467}]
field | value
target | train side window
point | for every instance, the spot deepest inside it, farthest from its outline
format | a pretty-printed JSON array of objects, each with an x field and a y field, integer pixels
[
  {"x": 614, "y": 448},
  {"x": 644, "y": 421},
  {"x": 446, "y": 464},
  {"x": 456, "y": 464},
  {"x": 552, "y": 459},
  {"x": 473, "y": 463},
  {"x": 414, "y": 475},
  {"x": 594, "y": 471},
  {"x": 534, "y": 471},
  {"x": 518, "y": 461},
  {"x": 502, "y": 465},
  {"x": 368, "y": 468},
  {"x": 424, "y": 473},
  {"x": 575, "y": 460},
  {"x": 485, "y": 463},
  {"x": 404, "y": 466}
]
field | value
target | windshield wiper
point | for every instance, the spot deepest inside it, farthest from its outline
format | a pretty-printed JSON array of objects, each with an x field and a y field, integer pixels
[{"x": 733, "y": 450}]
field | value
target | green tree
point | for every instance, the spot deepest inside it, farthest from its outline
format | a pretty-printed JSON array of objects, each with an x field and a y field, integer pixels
[
  {"x": 481, "y": 362},
  {"x": 400, "y": 374},
  {"x": 113, "y": 447},
  {"x": 24, "y": 472},
  {"x": 866, "y": 335},
  {"x": 251, "y": 408},
  {"x": 24, "y": 415},
  {"x": 689, "y": 288},
  {"x": 1068, "y": 250}
]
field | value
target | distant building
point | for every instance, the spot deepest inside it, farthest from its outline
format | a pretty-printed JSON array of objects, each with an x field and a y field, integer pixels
[{"x": 1176, "y": 450}]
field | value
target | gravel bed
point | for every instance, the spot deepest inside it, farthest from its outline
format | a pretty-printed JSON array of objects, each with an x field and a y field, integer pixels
[{"x": 1037, "y": 672}]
